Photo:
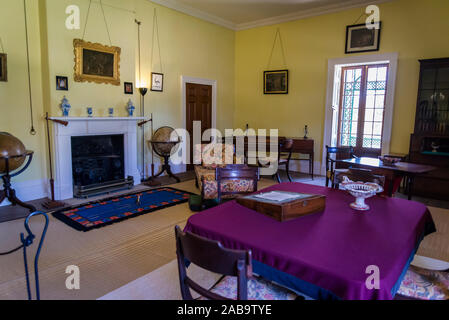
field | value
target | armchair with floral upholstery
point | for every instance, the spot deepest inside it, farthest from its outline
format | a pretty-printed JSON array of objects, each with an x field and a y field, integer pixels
[{"x": 215, "y": 156}]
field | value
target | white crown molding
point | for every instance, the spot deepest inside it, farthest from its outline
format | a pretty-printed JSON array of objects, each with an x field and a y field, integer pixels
[
  {"x": 345, "y": 5},
  {"x": 303, "y": 14},
  {"x": 172, "y": 4}
]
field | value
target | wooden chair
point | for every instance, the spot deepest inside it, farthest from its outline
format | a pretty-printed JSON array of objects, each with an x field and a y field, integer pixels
[
  {"x": 284, "y": 156},
  {"x": 357, "y": 174},
  {"x": 236, "y": 179},
  {"x": 212, "y": 256},
  {"x": 340, "y": 153}
]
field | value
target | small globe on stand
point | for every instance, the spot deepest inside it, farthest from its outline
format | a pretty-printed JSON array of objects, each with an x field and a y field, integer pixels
[
  {"x": 165, "y": 142},
  {"x": 12, "y": 157},
  {"x": 10, "y": 146}
]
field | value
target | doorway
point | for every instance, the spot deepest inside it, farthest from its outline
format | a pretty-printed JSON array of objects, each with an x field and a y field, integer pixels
[{"x": 198, "y": 107}]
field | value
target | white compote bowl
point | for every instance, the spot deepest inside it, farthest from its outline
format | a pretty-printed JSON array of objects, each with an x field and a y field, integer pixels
[{"x": 361, "y": 191}]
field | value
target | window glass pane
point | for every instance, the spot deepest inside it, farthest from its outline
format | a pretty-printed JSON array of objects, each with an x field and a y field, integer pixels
[
  {"x": 350, "y": 76},
  {"x": 380, "y": 101},
  {"x": 369, "y": 115},
  {"x": 370, "y": 101},
  {"x": 372, "y": 74},
  {"x": 355, "y": 114},
  {"x": 344, "y": 140},
  {"x": 378, "y": 115},
  {"x": 368, "y": 128},
  {"x": 443, "y": 78},
  {"x": 382, "y": 74},
  {"x": 354, "y": 127},
  {"x": 376, "y": 142},
  {"x": 377, "y": 128}
]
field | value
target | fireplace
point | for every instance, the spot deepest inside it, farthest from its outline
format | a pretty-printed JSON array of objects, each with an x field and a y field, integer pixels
[
  {"x": 104, "y": 135},
  {"x": 98, "y": 164}
]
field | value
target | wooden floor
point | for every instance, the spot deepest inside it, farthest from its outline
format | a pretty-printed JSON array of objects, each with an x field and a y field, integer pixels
[{"x": 115, "y": 255}]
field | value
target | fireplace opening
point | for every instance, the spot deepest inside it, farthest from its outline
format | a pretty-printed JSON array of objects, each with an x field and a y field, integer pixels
[{"x": 98, "y": 164}]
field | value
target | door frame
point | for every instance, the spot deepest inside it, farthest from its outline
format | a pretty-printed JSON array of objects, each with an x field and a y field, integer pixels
[
  {"x": 209, "y": 82},
  {"x": 333, "y": 70}
]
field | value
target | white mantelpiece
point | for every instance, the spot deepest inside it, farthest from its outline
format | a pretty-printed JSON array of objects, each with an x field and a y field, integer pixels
[{"x": 84, "y": 126}]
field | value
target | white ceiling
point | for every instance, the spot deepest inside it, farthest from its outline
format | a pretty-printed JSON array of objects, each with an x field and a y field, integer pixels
[{"x": 244, "y": 14}]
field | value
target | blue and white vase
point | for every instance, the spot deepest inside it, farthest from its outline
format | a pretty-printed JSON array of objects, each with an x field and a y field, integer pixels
[
  {"x": 65, "y": 107},
  {"x": 90, "y": 112},
  {"x": 111, "y": 112},
  {"x": 130, "y": 108}
]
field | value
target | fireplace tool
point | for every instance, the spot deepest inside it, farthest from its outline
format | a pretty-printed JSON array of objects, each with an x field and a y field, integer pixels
[
  {"x": 26, "y": 242},
  {"x": 52, "y": 203}
]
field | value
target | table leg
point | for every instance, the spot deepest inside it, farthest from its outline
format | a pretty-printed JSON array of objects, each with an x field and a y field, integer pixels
[
  {"x": 287, "y": 168},
  {"x": 311, "y": 162},
  {"x": 410, "y": 181}
]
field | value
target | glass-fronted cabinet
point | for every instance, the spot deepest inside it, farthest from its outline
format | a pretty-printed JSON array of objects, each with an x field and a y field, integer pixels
[
  {"x": 432, "y": 114},
  {"x": 429, "y": 143}
]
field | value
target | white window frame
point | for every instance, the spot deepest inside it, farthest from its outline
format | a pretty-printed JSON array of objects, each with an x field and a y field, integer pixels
[{"x": 332, "y": 96}]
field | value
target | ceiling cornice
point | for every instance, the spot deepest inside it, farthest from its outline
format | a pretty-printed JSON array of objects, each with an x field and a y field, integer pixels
[
  {"x": 345, "y": 5},
  {"x": 303, "y": 14},
  {"x": 196, "y": 13}
]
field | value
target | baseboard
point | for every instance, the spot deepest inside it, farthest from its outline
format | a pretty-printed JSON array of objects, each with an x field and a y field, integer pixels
[{"x": 29, "y": 190}]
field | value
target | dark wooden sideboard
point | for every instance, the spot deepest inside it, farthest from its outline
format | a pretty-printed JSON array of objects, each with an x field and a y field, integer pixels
[{"x": 300, "y": 146}]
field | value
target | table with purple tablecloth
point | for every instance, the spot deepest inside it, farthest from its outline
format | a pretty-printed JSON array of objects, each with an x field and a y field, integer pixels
[{"x": 326, "y": 254}]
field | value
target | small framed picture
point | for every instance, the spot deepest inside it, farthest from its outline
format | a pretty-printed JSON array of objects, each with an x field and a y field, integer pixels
[
  {"x": 361, "y": 39},
  {"x": 3, "y": 67},
  {"x": 129, "y": 88},
  {"x": 157, "y": 81},
  {"x": 275, "y": 82},
  {"x": 62, "y": 83}
]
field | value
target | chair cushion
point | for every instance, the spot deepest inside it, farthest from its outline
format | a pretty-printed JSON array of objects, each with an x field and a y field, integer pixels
[
  {"x": 200, "y": 172},
  {"x": 258, "y": 289},
  {"x": 211, "y": 187},
  {"x": 425, "y": 284}
]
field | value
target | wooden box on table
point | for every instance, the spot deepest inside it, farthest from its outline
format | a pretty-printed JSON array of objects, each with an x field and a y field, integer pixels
[{"x": 285, "y": 210}]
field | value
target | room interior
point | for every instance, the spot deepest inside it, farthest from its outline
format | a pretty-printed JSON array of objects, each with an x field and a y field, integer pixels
[{"x": 302, "y": 144}]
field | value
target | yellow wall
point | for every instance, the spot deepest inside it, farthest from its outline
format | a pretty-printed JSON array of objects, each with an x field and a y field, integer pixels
[
  {"x": 415, "y": 29},
  {"x": 14, "y": 98},
  {"x": 189, "y": 46}
]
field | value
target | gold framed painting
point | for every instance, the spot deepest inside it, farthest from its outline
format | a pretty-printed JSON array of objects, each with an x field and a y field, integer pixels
[
  {"x": 275, "y": 82},
  {"x": 3, "y": 67},
  {"x": 97, "y": 63}
]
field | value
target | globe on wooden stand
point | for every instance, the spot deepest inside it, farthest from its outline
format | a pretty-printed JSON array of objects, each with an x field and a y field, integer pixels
[
  {"x": 165, "y": 142},
  {"x": 12, "y": 156}
]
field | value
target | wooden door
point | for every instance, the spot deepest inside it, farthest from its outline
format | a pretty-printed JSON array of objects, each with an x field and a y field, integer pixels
[{"x": 198, "y": 108}]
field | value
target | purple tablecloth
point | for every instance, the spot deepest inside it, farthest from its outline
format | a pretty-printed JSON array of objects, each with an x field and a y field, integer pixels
[{"x": 331, "y": 249}]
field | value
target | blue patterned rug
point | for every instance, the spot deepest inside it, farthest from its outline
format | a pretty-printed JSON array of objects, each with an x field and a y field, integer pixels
[{"x": 107, "y": 211}]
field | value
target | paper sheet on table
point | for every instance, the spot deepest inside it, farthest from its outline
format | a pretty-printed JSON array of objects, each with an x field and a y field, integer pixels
[{"x": 276, "y": 196}]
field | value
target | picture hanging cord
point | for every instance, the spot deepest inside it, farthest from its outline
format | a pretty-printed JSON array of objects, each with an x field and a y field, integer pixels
[
  {"x": 156, "y": 28},
  {"x": 358, "y": 19},
  {"x": 32, "y": 130},
  {"x": 138, "y": 49},
  {"x": 278, "y": 33},
  {"x": 104, "y": 18}
]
